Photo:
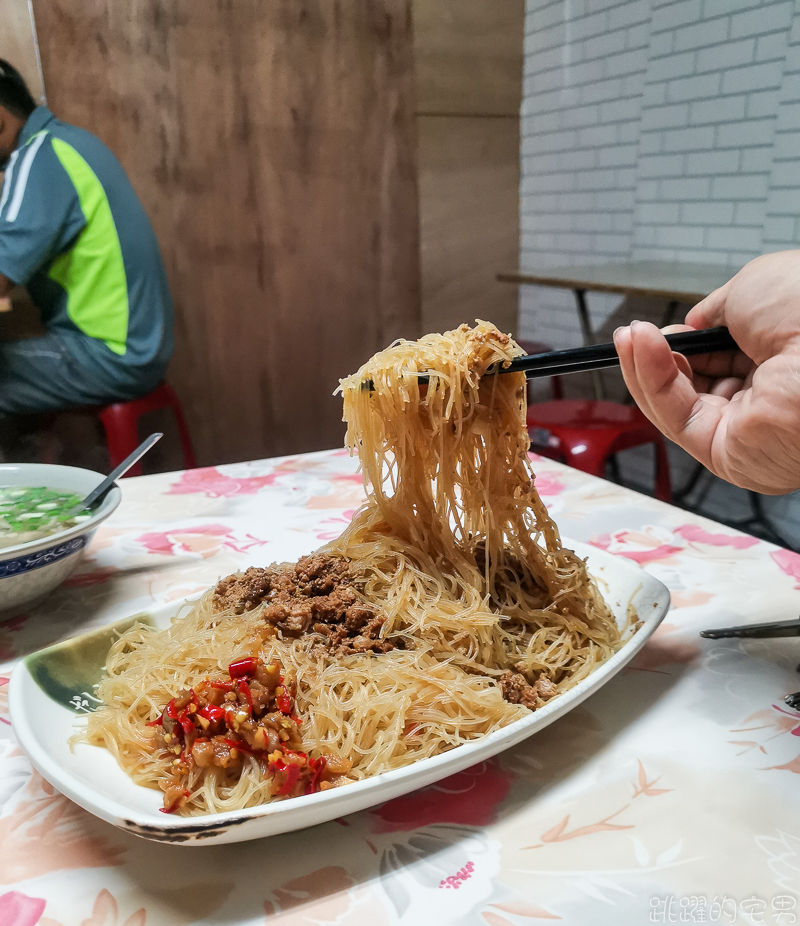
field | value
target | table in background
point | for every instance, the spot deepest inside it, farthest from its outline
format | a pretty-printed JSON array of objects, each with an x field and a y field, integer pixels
[
  {"x": 678, "y": 779},
  {"x": 675, "y": 282}
]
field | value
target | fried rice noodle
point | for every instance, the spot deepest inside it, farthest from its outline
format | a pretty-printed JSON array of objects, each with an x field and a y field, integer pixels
[{"x": 453, "y": 547}]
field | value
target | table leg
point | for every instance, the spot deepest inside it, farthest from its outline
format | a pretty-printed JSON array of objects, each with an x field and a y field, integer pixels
[
  {"x": 669, "y": 314},
  {"x": 760, "y": 524},
  {"x": 588, "y": 339},
  {"x": 680, "y": 496}
]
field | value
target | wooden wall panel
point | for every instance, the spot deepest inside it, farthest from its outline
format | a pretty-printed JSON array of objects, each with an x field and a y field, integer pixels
[
  {"x": 273, "y": 144},
  {"x": 469, "y": 56},
  {"x": 18, "y": 42},
  {"x": 469, "y": 203},
  {"x": 469, "y": 90}
]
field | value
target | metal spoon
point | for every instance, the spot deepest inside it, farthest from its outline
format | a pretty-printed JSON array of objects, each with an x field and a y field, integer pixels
[{"x": 98, "y": 494}]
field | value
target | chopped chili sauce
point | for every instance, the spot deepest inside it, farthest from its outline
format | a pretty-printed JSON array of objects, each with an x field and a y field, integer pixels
[{"x": 224, "y": 723}]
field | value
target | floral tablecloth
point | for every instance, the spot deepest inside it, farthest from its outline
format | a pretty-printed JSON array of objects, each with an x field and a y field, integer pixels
[{"x": 673, "y": 795}]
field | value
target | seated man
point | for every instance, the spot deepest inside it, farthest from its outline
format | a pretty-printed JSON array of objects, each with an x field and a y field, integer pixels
[{"x": 73, "y": 231}]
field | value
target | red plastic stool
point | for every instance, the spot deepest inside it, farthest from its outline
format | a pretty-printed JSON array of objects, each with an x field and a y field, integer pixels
[
  {"x": 121, "y": 424},
  {"x": 587, "y": 433}
]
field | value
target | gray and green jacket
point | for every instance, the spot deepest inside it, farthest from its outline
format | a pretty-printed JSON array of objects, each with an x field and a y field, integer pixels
[{"x": 73, "y": 231}]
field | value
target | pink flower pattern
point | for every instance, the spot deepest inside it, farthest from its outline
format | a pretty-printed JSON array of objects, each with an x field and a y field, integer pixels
[
  {"x": 215, "y": 484},
  {"x": 639, "y": 547},
  {"x": 696, "y": 534},
  {"x": 469, "y": 798},
  {"x": 20, "y": 910},
  {"x": 547, "y": 484},
  {"x": 331, "y": 528},
  {"x": 14, "y": 624},
  {"x": 4, "y": 680},
  {"x": 204, "y": 540},
  {"x": 789, "y": 563}
]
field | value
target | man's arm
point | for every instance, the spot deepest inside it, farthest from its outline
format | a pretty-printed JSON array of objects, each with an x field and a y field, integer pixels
[{"x": 41, "y": 214}]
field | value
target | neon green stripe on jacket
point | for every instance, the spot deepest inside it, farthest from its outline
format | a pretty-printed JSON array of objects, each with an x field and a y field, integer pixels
[{"x": 92, "y": 271}]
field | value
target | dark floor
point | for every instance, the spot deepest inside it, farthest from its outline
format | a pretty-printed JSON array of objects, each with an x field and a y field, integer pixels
[{"x": 76, "y": 439}]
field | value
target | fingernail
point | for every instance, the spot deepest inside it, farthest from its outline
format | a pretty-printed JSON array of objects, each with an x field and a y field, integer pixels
[
  {"x": 616, "y": 332},
  {"x": 635, "y": 322}
]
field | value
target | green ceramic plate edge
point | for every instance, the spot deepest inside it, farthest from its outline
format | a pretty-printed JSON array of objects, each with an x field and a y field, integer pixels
[{"x": 68, "y": 672}]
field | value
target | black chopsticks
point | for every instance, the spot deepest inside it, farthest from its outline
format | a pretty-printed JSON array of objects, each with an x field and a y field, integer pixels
[{"x": 601, "y": 356}]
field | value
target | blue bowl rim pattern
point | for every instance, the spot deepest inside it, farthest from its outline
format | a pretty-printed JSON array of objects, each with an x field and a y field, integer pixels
[
  {"x": 39, "y": 558},
  {"x": 33, "y": 548}
]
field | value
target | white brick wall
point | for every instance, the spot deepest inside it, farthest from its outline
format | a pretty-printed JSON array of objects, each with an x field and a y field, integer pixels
[
  {"x": 656, "y": 129},
  {"x": 591, "y": 55},
  {"x": 781, "y": 222}
]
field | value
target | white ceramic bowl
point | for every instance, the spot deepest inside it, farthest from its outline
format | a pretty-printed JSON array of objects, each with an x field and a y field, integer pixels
[{"x": 30, "y": 571}]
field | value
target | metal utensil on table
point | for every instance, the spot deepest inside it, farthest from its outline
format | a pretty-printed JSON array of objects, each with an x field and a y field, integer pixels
[
  {"x": 97, "y": 495},
  {"x": 771, "y": 630},
  {"x": 601, "y": 356}
]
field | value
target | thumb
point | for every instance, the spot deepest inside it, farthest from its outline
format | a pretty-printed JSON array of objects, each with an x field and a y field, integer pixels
[
  {"x": 663, "y": 389},
  {"x": 710, "y": 312}
]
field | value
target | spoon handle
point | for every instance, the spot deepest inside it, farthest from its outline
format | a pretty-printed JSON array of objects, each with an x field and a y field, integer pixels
[{"x": 112, "y": 477}]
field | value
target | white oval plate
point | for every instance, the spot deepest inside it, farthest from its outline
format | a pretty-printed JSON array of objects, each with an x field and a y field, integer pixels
[{"x": 51, "y": 688}]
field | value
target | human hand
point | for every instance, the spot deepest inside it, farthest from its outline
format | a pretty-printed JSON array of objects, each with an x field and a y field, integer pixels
[{"x": 738, "y": 413}]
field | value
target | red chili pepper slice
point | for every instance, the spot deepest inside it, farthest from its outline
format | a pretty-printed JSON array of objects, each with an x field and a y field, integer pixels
[
  {"x": 212, "y": 713},
  {"x": 317, "y": 767},
  {"x": 187, "y": 726},
  {"x": 222, "y": 686},
  {"x": 170, "y": 711},
  {"x": 176, "y": 803},
  {"x": 157, "y": 722},
  {"x": 292, "y": 775},
  {"x": 244, "y": 688},
  {"x": 285, "y": 703},
  {"x": 243, "y": 668}
]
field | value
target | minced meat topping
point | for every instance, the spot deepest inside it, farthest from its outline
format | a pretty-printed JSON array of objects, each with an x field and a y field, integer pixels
[
  {"x": 518, "y": 690},
  {"x": 316, "y": 595}
]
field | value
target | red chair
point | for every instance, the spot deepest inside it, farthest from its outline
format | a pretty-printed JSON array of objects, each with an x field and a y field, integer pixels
[
  {"x": 121, "y": 425},
  {"x": 586, "y": 434}
]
